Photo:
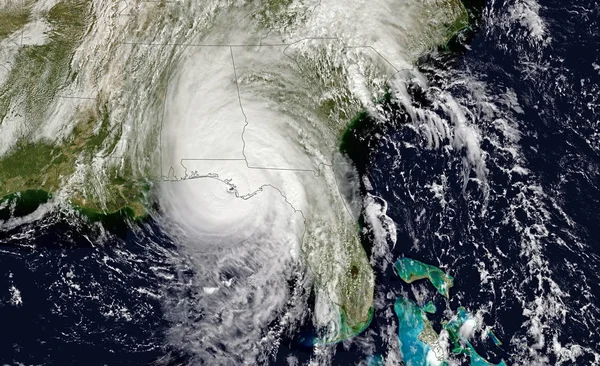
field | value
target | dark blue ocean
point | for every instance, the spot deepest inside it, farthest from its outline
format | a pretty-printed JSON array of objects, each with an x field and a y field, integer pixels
[{"x": 518, "y": 225}]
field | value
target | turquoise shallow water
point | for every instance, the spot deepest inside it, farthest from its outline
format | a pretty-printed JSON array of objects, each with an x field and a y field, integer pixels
[
  {"x": 415, "y": 333},
  {"x": 411, "y": 270},
  {"x": 462, "y": 345},
  {"x": 411, "y": 322}
]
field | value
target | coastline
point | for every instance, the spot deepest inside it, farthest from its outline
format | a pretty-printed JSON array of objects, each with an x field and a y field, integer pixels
[{"x": 23, "y": 203}]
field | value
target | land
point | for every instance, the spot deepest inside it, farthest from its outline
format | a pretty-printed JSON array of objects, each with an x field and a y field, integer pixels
[
  {"x": 34, "y": 81},
  {"x": 411, "y": 270},
  {"x": 32, "y": 85}
]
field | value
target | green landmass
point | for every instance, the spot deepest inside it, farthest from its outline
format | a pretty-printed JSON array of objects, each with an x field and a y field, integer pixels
[
  {"x": 38, "y": 73},
  {"x": 356, "y": 314},
  {"x": 349, "y": 144},
  {"x": 352, "y": 328},
  {"x": 26, "y": 202},
  {"x": 22, "y": 203},
  {"x": 411, "y": 270},
  {"x": 456, "y": 20},
  {"x": 46, "y": 166},
  {"x": 353, "y": 285},
  {"x": 418, "y": 337},
  {"x": 462, "y": 345},
  {"x": 13, "y": 16},
  {"x": 349, "y": 328},
  {"x": 276, "y": 13},
  {"x": 415, "y": 332},
  {"x": 40, "y": 70}
]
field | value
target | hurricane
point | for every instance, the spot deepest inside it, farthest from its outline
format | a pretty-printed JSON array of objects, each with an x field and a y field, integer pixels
[{"x": 298, "y": 182}]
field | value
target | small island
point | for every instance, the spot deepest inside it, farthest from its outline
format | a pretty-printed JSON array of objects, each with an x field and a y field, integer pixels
[
  {"x": 411, "y": 270},
  {"x": 419, "y": 343}
]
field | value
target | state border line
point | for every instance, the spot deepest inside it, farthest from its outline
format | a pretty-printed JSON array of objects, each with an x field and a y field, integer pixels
[{"x": 317, "y": 171}]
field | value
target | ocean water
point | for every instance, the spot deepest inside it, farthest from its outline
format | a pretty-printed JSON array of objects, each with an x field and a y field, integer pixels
[
  {"x": 484, "y": 162},
  {"x": 508, "y": 207}
]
